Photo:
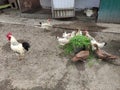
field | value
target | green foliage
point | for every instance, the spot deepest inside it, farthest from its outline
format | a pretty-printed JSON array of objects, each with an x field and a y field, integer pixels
[
  {"x": 4, "y": 6},
  {"x": 78, "y": 41}
]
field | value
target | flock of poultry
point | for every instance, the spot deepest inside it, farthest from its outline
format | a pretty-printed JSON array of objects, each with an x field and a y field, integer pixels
[{"x": 82, "y": 54}]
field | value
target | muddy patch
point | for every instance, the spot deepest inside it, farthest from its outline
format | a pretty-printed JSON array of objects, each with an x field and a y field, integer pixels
[{"x": 5, "y": 85}]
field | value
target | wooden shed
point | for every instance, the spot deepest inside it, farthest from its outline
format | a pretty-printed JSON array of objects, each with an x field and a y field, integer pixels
[{"x": 28, "y": 5}]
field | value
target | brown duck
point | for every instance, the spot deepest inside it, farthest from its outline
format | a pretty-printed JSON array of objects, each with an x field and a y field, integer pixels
[
  {"x": 82, "y": 55},
  {"x": 101, "y": 54}
]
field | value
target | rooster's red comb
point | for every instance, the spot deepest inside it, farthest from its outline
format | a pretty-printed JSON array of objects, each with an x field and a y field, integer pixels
[{"x": 9, "y": 34}]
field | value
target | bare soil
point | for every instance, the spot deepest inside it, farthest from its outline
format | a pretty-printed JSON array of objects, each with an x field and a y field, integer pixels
[{"x": 45, "y": 69}]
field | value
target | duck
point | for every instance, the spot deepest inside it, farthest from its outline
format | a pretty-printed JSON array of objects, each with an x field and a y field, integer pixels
[
  {"x": 82, "y": 56},
  {"x": 101, "y": 54}
]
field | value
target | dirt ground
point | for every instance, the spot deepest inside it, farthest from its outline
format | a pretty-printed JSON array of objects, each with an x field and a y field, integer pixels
[{"x": 45, "y": 69}]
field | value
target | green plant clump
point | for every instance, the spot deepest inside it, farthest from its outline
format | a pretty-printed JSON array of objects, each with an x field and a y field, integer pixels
[{"x": 78, "y": 41}]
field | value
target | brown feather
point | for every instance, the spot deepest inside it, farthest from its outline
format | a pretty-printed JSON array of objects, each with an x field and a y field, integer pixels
[{"x": 82, "y": 55}]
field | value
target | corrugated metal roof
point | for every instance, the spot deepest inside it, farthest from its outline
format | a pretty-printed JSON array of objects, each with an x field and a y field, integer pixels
[{"x": 109, "y": 11}]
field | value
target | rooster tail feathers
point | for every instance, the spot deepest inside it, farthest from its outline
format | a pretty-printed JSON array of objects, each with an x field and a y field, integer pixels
[{"x": 26, "y": 45}]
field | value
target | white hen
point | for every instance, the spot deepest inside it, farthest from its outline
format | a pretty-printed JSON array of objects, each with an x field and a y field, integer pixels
[
  {"x": 86, "y": 33},
  {"x": 79, "y": 32},
  {"x": 62, "y": 41},
  {"x": 89, "y": 12},
  {"x": 45, "y": 25},
  {"x": 93, "y": 41},
  {"x": 66, "y": 35},
  {"x": 100, "y": 45}
]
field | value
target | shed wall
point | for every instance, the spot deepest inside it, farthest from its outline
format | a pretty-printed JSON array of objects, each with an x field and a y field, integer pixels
[
  {"x": 109, "y": 11},
  {"x": 79, "y": 4}
]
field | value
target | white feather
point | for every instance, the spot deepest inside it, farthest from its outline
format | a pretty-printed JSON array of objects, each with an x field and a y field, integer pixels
[
  {"x": 46, "y": 25},
  {"x": 79, "y": 32},
  {"x": 16, "y": 46},
  {"x": 66, "y": 35},
  {"x": 100, "y": 45},
  {"x": 62, "y": 41},
  {"x": 73, "y": 34},
  {"x": 93, "y": 41},
  {"x": 89, "y": 36},
  {"x": 89, "y": 12}
]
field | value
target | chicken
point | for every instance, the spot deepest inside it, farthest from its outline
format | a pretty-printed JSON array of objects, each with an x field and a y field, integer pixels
[
  {"x": 82, "y": 55},
  {"x": 46, "y": 25},
  {"x": 66, "y": 35},
  {"x": 93, "y": 41},
  {"x": 18, "y": 47},
  {"x": 73, "y": 33},
  {"x": 100, "y": 45},
  {"x": 86, "y": 33},
  {"x": 66, "y": 38},
  {"x": 103, "y": 55},
  {"x": 89, "y": 12},
  {"x": 62, "y": 41},
  {"x": 79, "y": 32},
  {"x": 69, "y": 35}
]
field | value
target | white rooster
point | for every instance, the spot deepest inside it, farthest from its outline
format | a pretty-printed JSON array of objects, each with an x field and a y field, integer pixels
[{"x": 18, "y": 47}]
